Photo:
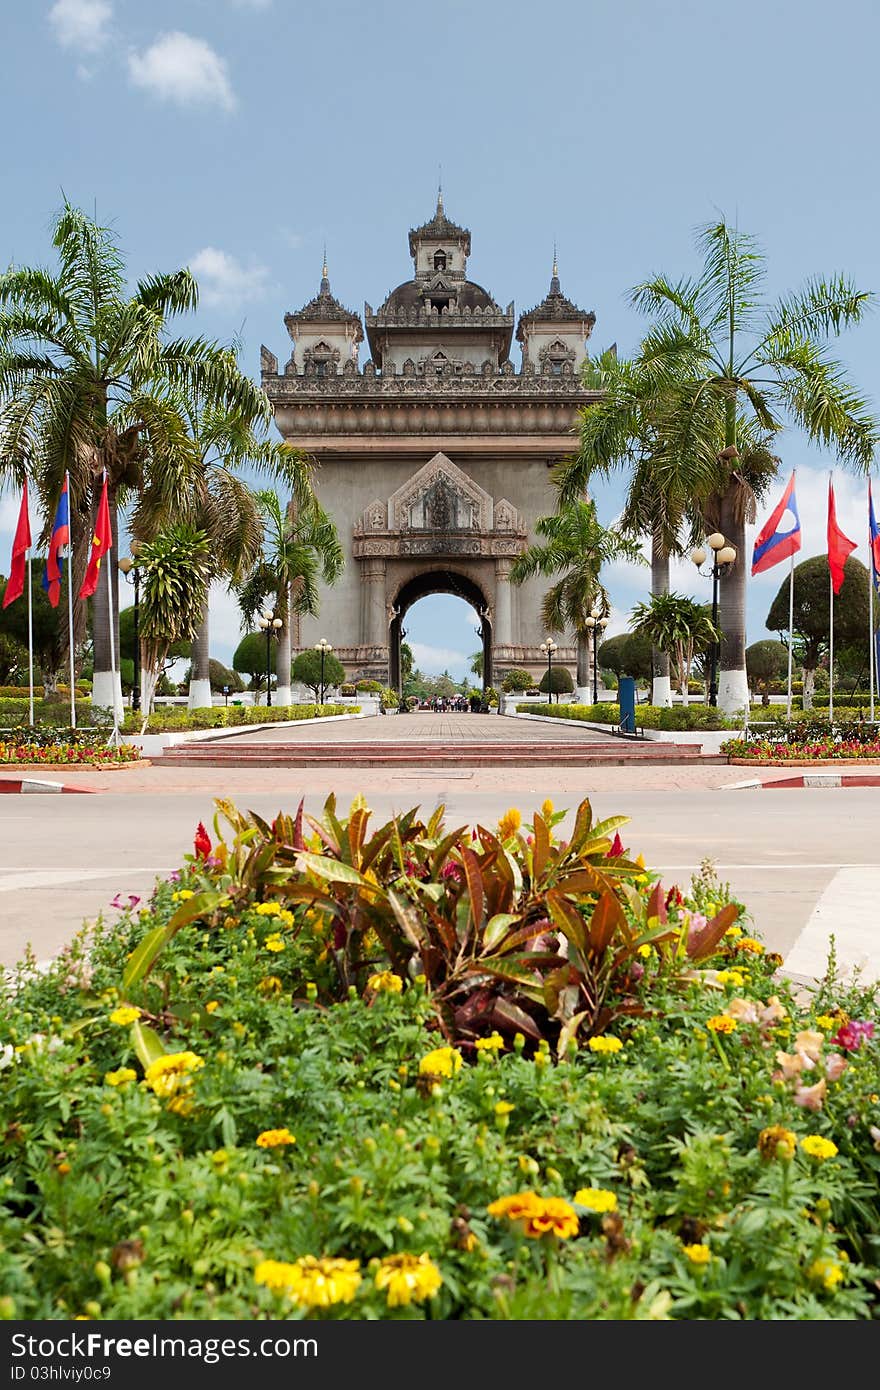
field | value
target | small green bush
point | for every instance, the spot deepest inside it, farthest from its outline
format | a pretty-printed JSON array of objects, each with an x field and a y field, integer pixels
[
  {"x": 647, "y": 716},
  {"x": 177, "y": 720}
]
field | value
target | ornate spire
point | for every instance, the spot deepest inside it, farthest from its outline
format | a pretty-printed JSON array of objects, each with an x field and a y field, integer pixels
[
  {"x": 554, "y": 278},
  {"x": 325, "y": 281}
]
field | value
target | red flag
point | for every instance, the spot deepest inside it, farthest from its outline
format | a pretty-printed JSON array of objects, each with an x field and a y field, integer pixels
[
  {"x": 20, "y": 546},
  {"x": 102, "y": 541},
  {"x": 840, "y": 547}
]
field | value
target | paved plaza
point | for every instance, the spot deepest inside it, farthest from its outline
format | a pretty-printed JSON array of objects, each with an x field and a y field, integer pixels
[{"x": 803, "y": 860}]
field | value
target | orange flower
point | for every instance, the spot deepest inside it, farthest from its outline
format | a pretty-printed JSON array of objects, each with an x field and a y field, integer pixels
[{"x": 556, "y": 1218}]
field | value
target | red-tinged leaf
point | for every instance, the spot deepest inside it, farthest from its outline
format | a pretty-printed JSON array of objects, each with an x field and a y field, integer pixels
[
  {"x": 474, "y": 878},
  {"x": 568, "y": 919},
  {"x": 657, "y": 904},
  {"x": 582, "y": 826},
  {"x": 608, "y": 917},
  {"x": 514, "y": 940},
  {"x": 376, "y": 844},
  {"x": 324, "y": 834},
  {"x": 509, "y": 1017},
  {"x": 541, "y": 847},
  {"x": 407, "y": 918},
  {"x": 445, "y": 845},
  {"x": 703, "y": 942},
  {"x": 519, "y": 969},
  {"x": 444, "y": 929},
  {"x": 357, "y": 829},
  {"x": 586, "y": 879},
  {"x": 297, "y": 838},
  {"x": 300, "y": 892}
]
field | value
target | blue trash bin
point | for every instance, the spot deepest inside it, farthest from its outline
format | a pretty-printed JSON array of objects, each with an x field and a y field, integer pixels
[{"x": 626, "y": 695}]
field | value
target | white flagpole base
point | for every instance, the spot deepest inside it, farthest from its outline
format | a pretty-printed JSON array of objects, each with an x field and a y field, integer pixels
[
  {"x": 199, "y": 695},
  {"x": 733, "y": 692},
  {"x": 282, "y": 695},
  {"x": 661, "y": 692},
  {"x": 107, "y": 692}
]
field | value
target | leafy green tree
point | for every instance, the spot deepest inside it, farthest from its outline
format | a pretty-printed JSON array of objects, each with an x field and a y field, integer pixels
[
  {"x": 307, "y": 670},
  {"x": 300, "y": 547},
  {"x": 406, "y": 662},
  {"x": 175, "y": 572},
  {"x": 557, "y": 681},
  {"x": 516, "y": 679},
  {"x": 679, "y": 626},
  {"x": 50, "y": 646},
  {"x": 576, "y": 545},
  {"x": 766, "y": 662},
  {"x": 13, "y": 658},
  {"x": 812, "y": 613},
  {"x": 629, "y": 654},
  {"x": 720, "y": 365},
  {"x": 249, "y": 658},
  {"x": 475, "y": 665},
  {"x": 91, "y": 381}
]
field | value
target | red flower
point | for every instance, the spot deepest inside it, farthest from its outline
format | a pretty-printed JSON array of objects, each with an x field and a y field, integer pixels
[
  {"x": 202, "y": 842},
  {"x": 674, "y": 897},
  {"x": 616, "y": 849}
]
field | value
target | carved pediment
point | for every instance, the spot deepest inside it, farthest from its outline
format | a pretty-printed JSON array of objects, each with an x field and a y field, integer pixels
[{"x": 440, "y": 497}]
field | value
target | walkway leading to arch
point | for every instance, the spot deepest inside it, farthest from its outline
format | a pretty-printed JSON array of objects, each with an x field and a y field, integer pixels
[{"x": 426, "y": 727}]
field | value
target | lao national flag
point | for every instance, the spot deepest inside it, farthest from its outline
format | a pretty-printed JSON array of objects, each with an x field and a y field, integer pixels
[
  {"x": 60, "y": 537},
  {"x": 102, "y": 541},
  {"x": 840, "y": 547},
  {"x": 20, "y": 546},
  {"x": 780, "y": 536},
  {"x": 874, "y": 541}
]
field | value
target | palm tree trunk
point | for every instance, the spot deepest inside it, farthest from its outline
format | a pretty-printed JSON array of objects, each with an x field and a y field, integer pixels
[
  {"x": 283, "y": 694},
  {"x": 584, "y": 667},
  {"x": 106, "y": 684},
  {"x": 661, "y": 687},
  {"x": 733, "y": 686},
  {"x": 200, "y": 674}
]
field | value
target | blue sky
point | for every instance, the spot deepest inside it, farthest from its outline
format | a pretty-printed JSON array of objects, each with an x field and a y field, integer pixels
[{"x": 237, "y": 136}]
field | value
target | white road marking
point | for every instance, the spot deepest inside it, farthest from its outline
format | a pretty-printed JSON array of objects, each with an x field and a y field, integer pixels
[
  {"x": 847, "y": 910},
  {"x": 12, "y": 881}
]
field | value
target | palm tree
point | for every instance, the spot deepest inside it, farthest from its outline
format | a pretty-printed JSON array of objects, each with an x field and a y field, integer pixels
[
  {"x": 301, "y": 547},
  {"x": 577, "y": 545},
  {"x": 91, "y": 381},
  {"x": 175, "y": 570},
  {"x": 679, "y": 626},
  {"x": 223, "y": 506},
  {"x": 719, "y": 360}
]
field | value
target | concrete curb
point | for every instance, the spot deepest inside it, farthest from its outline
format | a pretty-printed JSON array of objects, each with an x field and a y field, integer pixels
[
  {"x": 806, "y": 779},
  {"x": 29, "y": 786}
]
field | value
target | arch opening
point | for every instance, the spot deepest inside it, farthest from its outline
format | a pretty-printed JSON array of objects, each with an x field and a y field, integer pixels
[{"x": 439, "y": 581}]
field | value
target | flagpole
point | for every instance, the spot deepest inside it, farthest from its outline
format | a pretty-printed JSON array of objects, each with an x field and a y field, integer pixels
[
  {"x": 831, "y": 650},
  {"x": 112, "y": 645},
  {"x": 790, "y": 631},
  {"x": 30, "y": 640},
  {"x": 70, "y": 603},
  {"x": 872, "y": 652}
]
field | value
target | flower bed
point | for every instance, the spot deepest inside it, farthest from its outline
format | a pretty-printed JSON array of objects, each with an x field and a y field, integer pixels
[
  {"x": 65, "y": 755},
  {"x": 817, "y": 751},
  {"x": 334, "y": 1073}
]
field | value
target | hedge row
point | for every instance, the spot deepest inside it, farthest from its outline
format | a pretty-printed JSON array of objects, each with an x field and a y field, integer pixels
[
  {"x": 221, "y": 717},
  {"x": 18, "y": 692},
  {"x": 647, "y": 716}
]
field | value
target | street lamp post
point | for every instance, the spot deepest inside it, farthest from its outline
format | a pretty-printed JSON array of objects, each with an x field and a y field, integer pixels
[
  {"x": 723, "y": 557},
  {"x": 596, "y": 622},
  {"x": 129, "y": 568},
  {"x": 549, "y": 646},
  {"x": 323, "y": 647},
  {"x": 270, "y": 623}
]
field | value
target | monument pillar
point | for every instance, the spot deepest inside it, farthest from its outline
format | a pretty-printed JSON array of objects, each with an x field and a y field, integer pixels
[
  {"x": 374, "y": 621},
  {"x": 503, "y": 634}
]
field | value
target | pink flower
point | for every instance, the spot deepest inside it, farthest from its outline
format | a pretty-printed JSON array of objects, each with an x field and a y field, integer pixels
[
  {"x": 850, "y": 1036},
  {"x": 452, "y": 872},
  {"x": 810, "y": 1097},
  {"x": 835, "y": 1066}
]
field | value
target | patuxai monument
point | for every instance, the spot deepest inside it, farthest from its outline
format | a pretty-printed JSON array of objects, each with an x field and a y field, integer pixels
[{"x": 434, "y": 453}]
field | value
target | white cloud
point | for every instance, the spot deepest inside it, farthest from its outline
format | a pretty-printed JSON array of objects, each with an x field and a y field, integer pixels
[
  {"x": 433, "y": 661},
  {"x": 223, "y": 280},
  {"x": 183, "y": 69},
  {"x": 82, "y": 24}
]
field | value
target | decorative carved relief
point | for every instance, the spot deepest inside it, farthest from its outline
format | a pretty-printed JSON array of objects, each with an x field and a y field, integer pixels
[{"x": 468, "y": 506}]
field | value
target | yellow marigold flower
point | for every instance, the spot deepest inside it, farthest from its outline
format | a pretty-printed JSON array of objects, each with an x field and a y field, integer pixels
[
  {"x": 605, "y": 1044},
  {"x": 408, "y": 1278},
  {"x": 730, "y": 977},
  {"x": 275, "y": 1275},
  {"x": 734, "y": 932},
  {"x": 749, "y": 944},
  {"x": 503, "y": 1107},
  {"x": 494, "y": 1043},
  {"x": 721, "y": 1023},
  {"x": 125, "y": 1014},
  {"x": 596, "y": 1199},
  {"x": 509, "y": 823},
  {"x": 826, "y": 1272},
  {"x": 556, "y": 1217},
  {"x": 275, "y": 1138},
  {"x": 385, "y": 981},
  {"x": 818, "y": 1147},
  {"x": 270, "y": 984},
  {"x": 698, "y": 1254},
  {"x": 646, "y": 950},
  {"x": 268, "y": 909},
  {"x": 776, "y": 1142},
  {"x": 518, "y": 1207},
  {"x": 443, "y": 1061},
  {"x": 168, "y": 1073},
  {"x": 286, "y": 916},
  {"x": 826, "y": 1022},
  {"x": 212, "y": 1006},
  {"x": 547, "y": 808},
  {"x": 274, "y": 942},
  {"x": 120, "y": 1077}
]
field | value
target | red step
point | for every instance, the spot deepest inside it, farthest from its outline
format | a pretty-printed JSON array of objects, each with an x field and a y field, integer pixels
[{"x": 599, "y": 753}]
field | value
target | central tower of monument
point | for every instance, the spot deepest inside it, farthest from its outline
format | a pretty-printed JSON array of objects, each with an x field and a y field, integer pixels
[{"x": 434, "y": 455}]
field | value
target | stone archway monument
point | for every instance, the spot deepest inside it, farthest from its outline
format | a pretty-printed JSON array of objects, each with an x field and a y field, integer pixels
[{"x": 433, "y": 458}]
